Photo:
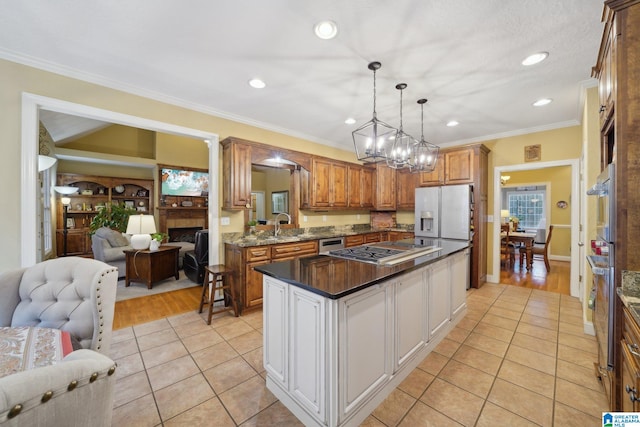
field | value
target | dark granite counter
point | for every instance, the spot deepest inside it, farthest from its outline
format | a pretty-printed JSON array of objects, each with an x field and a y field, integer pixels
[{"x": 336, "y": 277}]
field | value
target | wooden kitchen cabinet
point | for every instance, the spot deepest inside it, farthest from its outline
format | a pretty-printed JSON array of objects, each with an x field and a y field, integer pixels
[
  {"x": 356, "y": 240},
  {"x": 435, "y": 177},
  {"x": 385, "y": 188},
  {"x": 360, "y": 186},
  {"x": 406, "y": 189},
  {"x": 329, "y": 183},
  {"x": 617, "y": 70},
  {"x": 630, "y": 349},
  {"x": 399, "y": 235},
  {"x": 454, "y": 166},
  {"x": 242, "y": 261},
  {"x": 236, "y": 175}
]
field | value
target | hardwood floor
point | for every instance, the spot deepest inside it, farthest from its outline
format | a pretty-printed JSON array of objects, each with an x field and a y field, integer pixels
[
  {"x": 557, "y": 280},
  {"x": 146, "y": 309}
]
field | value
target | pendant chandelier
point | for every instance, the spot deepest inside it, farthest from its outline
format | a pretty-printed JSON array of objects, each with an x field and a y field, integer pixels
[
  {"x": 401, "y": 154},
  {"x": 372, "y": 139},
  {"x": 425, "y": 153}
]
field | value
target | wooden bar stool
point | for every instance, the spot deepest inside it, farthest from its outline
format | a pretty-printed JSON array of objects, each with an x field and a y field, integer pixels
[{"x": 216, "y": 279}]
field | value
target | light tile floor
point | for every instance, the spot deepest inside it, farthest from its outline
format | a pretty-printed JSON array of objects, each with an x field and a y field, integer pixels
[{"x": 518, "y": 358}]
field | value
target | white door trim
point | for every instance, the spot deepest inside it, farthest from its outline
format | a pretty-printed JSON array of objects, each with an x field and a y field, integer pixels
[
  {"x": 31, "y": 105},
  {"x": 574, "y": 205}
]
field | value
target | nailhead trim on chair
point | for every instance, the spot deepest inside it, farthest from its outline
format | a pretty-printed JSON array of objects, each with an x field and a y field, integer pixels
[
  {"x": 14, "y": 411},
  {"x": 47, "y": 396}
]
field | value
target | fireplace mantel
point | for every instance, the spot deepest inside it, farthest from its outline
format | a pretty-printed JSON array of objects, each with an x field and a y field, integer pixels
[{"x": 193, "y": 216}]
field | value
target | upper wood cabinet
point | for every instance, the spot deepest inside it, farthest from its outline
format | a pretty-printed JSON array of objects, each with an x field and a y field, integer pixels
[
  {"x": 434, "y": 178},
  {"x": 236, "y": 175},
  {"x": 454, "y": 166},
  {"x": 385, "y": 188},
  {"x": 360, "y": 186},
  {"x": 606, "y": 68},
  {"x": 329, "y": 184},
  {"x": 406, "y": 191}
]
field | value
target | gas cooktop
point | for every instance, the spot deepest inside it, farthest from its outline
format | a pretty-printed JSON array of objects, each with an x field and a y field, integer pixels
[{"x": 381, "y": 255}]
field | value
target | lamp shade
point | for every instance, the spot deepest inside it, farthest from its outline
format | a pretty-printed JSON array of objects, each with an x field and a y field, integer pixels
[
  {"x": 141, "y": 227},
  {"x": 65, "y": 189},
  {"x": 45, "y": 162}
]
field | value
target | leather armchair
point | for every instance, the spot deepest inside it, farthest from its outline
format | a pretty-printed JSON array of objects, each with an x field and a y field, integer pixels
[{"x": 196, "y": 260}]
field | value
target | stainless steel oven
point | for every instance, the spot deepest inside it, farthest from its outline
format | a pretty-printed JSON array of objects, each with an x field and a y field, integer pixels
[
  {"x": 604, "y": 190},
  {"x": 601, "y": 262}
]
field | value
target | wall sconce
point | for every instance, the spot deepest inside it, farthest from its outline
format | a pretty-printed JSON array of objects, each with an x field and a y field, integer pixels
[{"x": 504, "y": 179}]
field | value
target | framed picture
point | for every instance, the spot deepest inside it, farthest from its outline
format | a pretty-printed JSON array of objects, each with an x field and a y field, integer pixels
[
  {"x": 280, "y": 202},
  {"x": 532, "y": 153},
  {"x": 130, "y": 204},
  {"x": 71, "y": 223}
]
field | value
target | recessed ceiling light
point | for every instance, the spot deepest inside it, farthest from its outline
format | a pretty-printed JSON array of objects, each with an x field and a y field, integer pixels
[
  {"x": 541, "y": 102},
  {"x": 452, "y": 123},
  {"x": 257, "y": 83},
  {"x": 535, "y": 58},
  {"x": 350, "y": 121},
  {"x": 326, "y": 30}
]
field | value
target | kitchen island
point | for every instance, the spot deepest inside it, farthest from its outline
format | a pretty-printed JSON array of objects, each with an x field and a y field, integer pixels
[{"x": 340, "y": 334}]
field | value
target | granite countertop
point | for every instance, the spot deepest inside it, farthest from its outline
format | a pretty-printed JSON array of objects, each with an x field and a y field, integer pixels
[
  {"x": 629, "y": 292},
  {"x": 335, "y": 278},
  {"x": 299, "y": 235}
]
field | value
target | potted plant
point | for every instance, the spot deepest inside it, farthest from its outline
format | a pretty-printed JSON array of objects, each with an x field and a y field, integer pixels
[
  {"x": 156, "y": 240},
  {"x": 115, "y": 217},
  {"x": 252, "y": 225}
]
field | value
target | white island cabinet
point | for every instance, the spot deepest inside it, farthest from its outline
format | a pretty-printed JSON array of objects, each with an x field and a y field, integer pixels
[{"x": 332, "y": 361}]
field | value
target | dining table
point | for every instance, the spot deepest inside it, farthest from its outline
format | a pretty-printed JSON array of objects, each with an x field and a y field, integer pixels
[{"x": 527, "y": 239}]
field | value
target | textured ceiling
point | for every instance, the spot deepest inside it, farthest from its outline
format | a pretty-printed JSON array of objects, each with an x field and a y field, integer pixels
[{"x": 463, "y": 55}]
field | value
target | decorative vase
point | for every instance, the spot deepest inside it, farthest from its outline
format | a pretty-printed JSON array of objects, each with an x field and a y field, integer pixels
[{"x": 154, "y": 245}]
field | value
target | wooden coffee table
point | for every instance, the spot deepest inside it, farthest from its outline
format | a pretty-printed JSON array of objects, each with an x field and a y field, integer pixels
[{"x": 148, "y": 267}]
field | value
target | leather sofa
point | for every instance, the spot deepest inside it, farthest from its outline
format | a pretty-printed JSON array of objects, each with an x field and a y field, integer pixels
[{"x": 196, "y": 260}]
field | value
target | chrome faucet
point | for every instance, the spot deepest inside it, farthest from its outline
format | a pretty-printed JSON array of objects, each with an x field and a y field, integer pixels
[{"x": 276, "y": 229}]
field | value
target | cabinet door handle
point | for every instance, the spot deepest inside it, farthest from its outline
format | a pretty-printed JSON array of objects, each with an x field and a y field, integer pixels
[
  {"x": 633, "y": 348},
  {"x": 632, "y": 393}
]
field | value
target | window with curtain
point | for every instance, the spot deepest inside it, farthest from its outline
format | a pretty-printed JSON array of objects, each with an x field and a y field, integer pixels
[{"x": 527, "y": 206}]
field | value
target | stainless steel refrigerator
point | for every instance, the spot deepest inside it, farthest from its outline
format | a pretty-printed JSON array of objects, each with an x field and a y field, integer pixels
[{"x": 444, "y": 212}]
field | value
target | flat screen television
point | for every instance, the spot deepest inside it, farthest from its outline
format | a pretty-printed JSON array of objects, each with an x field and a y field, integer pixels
[{"x": 184, "y": 182}]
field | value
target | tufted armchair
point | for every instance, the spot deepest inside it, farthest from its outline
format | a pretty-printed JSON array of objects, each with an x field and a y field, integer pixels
[{"x": 72, "y": 294}]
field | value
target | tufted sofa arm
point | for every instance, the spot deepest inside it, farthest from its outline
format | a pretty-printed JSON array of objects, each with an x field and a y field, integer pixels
[
  {"x": 72, "y": 294},
  {"x": 9, "y": 294},
  {"x": 78, "y": 391}
]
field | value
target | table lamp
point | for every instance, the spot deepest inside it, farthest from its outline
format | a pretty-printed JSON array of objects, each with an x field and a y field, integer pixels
[
  {"x": 141, "y": 227},
  {"x": 504, "y": 214}
]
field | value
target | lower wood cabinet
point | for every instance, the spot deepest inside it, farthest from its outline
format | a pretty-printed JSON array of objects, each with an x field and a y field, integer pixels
[
  {"x": 630, "y": 349},
  {"x": 242, "y": 260}
]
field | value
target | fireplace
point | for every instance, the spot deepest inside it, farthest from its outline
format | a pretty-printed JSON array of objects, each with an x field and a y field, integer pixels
[{"x": 183, "y": 234}]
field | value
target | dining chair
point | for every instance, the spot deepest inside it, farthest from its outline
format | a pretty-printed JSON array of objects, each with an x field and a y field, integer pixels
[
  {"x": 541, "y": 250},
  {"x": 507, "y": 249}
]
